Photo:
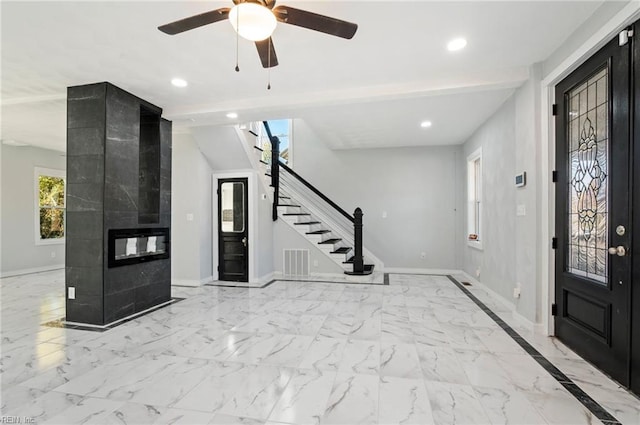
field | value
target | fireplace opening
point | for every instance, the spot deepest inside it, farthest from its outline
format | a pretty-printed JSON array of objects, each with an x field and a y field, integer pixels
[{"x": 133, "y": 246}]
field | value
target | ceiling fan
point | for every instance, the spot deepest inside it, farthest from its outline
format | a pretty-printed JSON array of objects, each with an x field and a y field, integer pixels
[{"x": 256, "y": 20}]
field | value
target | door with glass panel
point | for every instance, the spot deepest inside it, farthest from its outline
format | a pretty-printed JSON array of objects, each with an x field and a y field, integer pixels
[
  {"x": 233, "y": 232},
  {"x": 593, "y": 189}
]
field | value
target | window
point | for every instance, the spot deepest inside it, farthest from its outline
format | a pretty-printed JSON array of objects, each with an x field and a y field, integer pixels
[
  {"x": 474, "y": 196},
  {"x": 282, "y": 129},
  {"x": 50, "y": 206}
]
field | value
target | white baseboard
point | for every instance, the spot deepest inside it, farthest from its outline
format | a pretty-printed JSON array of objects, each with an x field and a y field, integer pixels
[
  {"x": 20, "y": 272},
  {"x": 509, "y": 304},
  {"x": 266, "y": 278},
  {"x": 192, "y": 282},
  {"x": 408, "y": 270}
]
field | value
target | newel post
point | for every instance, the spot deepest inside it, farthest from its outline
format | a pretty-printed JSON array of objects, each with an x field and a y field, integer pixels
[
  {"x": 358, "y": 260},
  {"x": 275, "y": 174}
]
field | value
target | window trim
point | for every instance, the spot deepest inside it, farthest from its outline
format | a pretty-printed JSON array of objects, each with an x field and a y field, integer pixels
[
  {"x": 474, "y": 195},
  {"x": 41, "y": 171}
]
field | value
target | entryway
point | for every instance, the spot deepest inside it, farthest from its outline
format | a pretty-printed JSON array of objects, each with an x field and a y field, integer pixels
[
  {"x": 597, "y": 293},
  {"x": 233, "y": 230}
]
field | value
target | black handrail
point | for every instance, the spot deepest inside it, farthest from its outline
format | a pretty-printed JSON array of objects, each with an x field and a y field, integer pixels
[
  {"x": 317, "y": 192},
  {"x": 275, "y": 171}
]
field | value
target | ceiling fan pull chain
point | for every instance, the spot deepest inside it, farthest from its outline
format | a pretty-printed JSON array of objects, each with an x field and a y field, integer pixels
[
  {"x": 237, "y": 43},
  {"x": 269, "y": 66}
]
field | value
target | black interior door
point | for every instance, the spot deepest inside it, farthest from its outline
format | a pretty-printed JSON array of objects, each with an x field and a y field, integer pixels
[
  {"x": 593, "y": 210},
  {"x": 635, "y": 258},
  {"x": 233, "y": 230}
]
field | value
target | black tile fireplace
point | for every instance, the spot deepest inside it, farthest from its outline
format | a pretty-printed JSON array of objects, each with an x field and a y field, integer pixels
[{"x": 118, "y": 204}]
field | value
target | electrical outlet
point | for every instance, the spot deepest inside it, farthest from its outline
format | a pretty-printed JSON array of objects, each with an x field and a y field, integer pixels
[
  {"x": 53, "y": 254},
  {"x": 423, "y": 255},
  {"x": 72, "y": 293},
  {"x": 190, "y": 217},
  {"x": 384, "y": 214},
  {"x": 477, "y": 272},
  {"x": 516, "y": 292}
]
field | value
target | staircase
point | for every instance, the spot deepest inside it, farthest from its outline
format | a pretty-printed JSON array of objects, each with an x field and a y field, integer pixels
[
  {"x": 319, "y": 233},
  {"x": 306, "y": 210}
]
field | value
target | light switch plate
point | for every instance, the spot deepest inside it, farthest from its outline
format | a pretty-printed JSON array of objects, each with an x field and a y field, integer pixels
[
  {"x": 189, "y": 217},
  {"x": 72, "y": 293},
  {"x": 521, "y": 210}
]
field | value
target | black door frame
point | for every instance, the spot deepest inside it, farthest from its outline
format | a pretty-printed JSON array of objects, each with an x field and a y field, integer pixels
[
  {"x": 626, "y": 346},
  {"x": 220, "y": 180}
]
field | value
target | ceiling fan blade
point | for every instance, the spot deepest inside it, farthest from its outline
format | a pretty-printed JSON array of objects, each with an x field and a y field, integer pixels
[
  {"x": 315, "y": 22},
  {"x": 269, "y": 60},
  {"x": 196, "y": 21}
]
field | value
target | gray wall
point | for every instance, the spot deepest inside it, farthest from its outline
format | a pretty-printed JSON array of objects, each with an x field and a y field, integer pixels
[
  {"x": 192, "y": 195},
  {"x": 414, "y": 186},
  {"x": 19, "y": 251},
  {"x": 510, "y": 254}
]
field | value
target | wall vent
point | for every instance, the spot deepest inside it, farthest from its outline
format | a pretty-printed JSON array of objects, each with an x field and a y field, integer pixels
[{"x": 295, "y": 262}]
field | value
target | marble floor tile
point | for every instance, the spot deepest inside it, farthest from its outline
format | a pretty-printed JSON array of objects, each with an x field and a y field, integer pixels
[
  {"x": 353, "y": 400},
  {"x": 305, "y": 398},
  {"x": 400, "y": 361},
  {"x": 261, "y": 389},
  {"x": 415, "y": 351},
  {"x": 507, "y": 407},
  {"x": 441, "y": 364},
  {"x": 133, "y": 414},
  {"x": 455, "y": 404},
  {"x": 560, "y": 408},
  {"x": 324, "y": 354},
  {"x": 360, "y": 357},
  {"x": 184, "y": 417},
  {"x": 404, "y": 401},
  {"x": 87, "y": 411}
]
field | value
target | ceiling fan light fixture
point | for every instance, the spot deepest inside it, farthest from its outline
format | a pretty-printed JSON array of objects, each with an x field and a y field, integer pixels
[{"x": 252, "y": 21}]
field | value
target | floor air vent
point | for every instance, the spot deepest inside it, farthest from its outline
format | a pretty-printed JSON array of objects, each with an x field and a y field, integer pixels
[{"x": 295, "y": 262}]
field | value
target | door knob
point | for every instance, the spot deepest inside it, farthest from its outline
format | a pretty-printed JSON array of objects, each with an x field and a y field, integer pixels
[
  {"x": 620, "y": 251},
  {"x": 244, "y": 242}
]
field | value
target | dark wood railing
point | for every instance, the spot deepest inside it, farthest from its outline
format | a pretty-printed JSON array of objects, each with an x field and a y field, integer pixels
[{"x": 356, "y": 218}]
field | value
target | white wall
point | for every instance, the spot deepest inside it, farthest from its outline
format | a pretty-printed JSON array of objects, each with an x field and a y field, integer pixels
[
  {"x": 19, "y": 251},
  {"x": 191, "y": 251},
  {"x": 414, "y": 186}
]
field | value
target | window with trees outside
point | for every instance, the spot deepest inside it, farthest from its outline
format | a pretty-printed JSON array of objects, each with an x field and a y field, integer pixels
[
  {"x": 474, "y": 198},
  {"x": 50, "y": 205}
]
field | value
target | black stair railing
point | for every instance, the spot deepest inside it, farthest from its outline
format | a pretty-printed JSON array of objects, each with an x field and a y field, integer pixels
[{"x": 355, "y": 219}]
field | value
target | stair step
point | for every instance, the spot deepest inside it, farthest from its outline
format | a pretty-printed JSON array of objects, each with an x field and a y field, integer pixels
[
  {"x": 284, "y": 197},
  {"x": 253, "y": 132},
  {"x": 267, "y": 174},
  {"x": 349, "y": 261},
  {"x": 329, "y": 241},
  {"x": 288, "y": 205},
  {"x": 341, "y": 250},
  {"x": 260, "y": 149},
  {"x": 368, "y": 269},
  {"x": 307, "y": 223},
  {"x": 294, "y": 214},
  {"x": 264, "y": 162},
  {"x": 319, "y": 232}
]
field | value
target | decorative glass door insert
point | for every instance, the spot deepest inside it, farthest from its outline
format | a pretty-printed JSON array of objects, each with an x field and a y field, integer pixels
[{"x": 588, "y": 208}]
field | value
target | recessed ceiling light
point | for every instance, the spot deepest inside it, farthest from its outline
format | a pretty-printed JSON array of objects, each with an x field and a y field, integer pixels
[
  {"x": 232, "y": 115},
  {"x": 425, "y": 124},
  {"x": 456, "y": 44},
  {"x": 179, "y": 82}
]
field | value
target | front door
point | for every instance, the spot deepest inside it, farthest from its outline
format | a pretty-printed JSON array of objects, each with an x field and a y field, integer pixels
[
  {"x": 593, "y": 211},
  {"x": 233, "y": 232}
]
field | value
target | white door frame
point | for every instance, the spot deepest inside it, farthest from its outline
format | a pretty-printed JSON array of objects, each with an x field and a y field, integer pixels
[
  {"x": 626, "y": 16},
  {"x": 252, "y": 182}
]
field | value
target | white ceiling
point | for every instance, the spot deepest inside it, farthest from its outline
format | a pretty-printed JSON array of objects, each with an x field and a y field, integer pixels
[{"x": 371, "y": 91}]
